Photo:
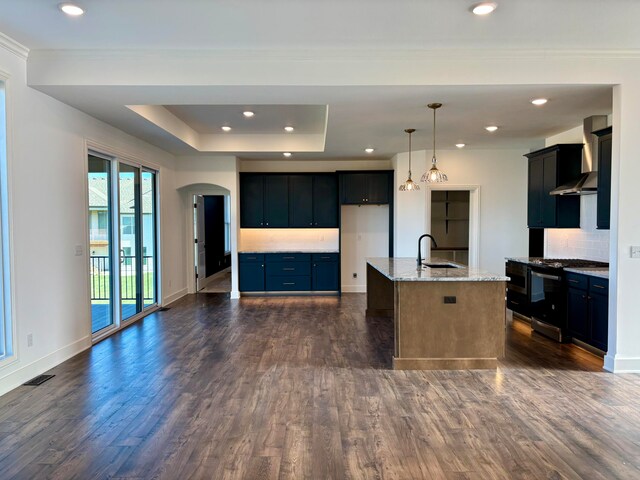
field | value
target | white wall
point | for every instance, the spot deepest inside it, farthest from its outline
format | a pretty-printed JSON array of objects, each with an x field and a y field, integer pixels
[
  {"x": 47, "y": 169},
  {"x": 198, "y": 174},
  {"x": 365, "y": 234},
  {"x": 312, "y": 165},
  {"x": 587, "y": 241},
  {"x": 502, "y": 177}
]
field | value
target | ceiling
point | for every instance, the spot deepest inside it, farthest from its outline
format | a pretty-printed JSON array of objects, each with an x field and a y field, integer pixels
[
  {"x": 208, "y": 24},
  {"x": 332, "y": 122}
]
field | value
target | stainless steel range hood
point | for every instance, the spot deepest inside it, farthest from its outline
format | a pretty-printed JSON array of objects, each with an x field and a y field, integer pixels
[{"x": 587, "y": 183}]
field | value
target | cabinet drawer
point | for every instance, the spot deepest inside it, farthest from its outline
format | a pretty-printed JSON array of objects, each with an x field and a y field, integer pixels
[
  {"x": 251, "y": 257},
  {"x": 288, "y": 268},
  {"x": 518, "y": 303},
  {"x": 575, "y": 280},
  {"x": 288, "y": 284},
  {"x": 288, "y": 257},
  {"x": 325, "y": 257},
  {"x": 599, "y": 285}
]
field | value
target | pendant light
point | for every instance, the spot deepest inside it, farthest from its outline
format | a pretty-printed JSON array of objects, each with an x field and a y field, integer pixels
[
  {"x": 434, "y": 175},
  {"x": 409, "y": 185}
]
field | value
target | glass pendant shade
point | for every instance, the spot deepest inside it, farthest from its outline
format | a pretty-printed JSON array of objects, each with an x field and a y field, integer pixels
[
  {"x": 434, "y": 175},
  {"x": 409, "y": 185}
]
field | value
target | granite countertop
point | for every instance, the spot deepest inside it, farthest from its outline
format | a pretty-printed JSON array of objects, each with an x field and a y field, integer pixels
[
  {"x": 288, "y": 251},
  {"x": 405, "y": 270},
  {"x": 594, "y": 272}
]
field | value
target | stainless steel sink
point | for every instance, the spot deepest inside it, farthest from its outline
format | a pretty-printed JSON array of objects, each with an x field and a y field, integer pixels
[{"x": 440, "y": 265}]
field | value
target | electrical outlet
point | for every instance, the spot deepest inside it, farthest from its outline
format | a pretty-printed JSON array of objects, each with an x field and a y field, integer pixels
[
  {"x": 30, "y": 340},
  {"x": 635, "y": 252},
  {"x": 355, "y": 275},
  {"x": 79, "y": 250}
]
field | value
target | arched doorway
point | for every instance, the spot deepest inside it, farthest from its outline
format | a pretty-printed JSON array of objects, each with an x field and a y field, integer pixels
[{"x": 210, "y": 266}]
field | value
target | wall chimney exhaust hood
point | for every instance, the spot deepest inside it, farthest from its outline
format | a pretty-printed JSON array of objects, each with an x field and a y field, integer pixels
[{"x": 587, "y": 183}]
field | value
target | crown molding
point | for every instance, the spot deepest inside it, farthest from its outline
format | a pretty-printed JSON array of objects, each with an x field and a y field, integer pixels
[
  {"x": 362, "y": 54},
  {"x": 13, "y": 46}
]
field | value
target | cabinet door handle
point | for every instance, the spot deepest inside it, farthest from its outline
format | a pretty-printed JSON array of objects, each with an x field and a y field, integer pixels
[
  {"x": 288, "y": 269},
  {"x": 267, "y": 223},
  {"x": 515, "y": 303},
  {"x": 599, "y": 286},
  {"x": 584, "y": 296},
  {"x": 573, "y": 281},
  {"x": 288, "y": 258},
  {"x": 288, "y": 283}
]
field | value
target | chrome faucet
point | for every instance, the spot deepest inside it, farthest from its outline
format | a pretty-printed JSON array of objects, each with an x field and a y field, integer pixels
[{"x": 433, "y": 240}]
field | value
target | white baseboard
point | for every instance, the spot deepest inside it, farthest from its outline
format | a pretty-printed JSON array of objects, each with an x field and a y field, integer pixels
[
  {"x": 38, "y": 367},
  {"x": 617, "y": 364},
  {"x": 235, "y": 295},
  {"x": 354, "y": 289},
  {"x": 174, "y": 296}
]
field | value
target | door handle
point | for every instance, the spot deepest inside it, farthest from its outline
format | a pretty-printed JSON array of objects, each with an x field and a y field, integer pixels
[
  {"x": 544, "y": 275},
  {"x": 573, "y": 281},
  {"x": 599, "y": 286},
  {"x": 288, "y": 269},
  {"x": 288, "y": 283}
]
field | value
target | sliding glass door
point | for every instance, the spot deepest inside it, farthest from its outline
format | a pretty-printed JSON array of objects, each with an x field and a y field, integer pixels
[
  {"x": 100, "y": 243},
  {"x": 130, "y": 241},
  {"x": 149, "y": 232},
  {"x": 123, "y": 266}
]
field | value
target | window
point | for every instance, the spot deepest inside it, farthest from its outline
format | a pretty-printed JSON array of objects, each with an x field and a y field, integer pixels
[
  {"x": 6, "y": 330},
  {"x": 128, "y": 225},
  {"x": 103, "y": 220}
]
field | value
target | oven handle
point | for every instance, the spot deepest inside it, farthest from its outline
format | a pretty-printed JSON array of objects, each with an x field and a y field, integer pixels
[{"x": 544, "y": 275}]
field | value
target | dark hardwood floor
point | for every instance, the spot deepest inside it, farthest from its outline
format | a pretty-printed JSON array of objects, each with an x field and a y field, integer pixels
[{"x": 301, "y": 388}]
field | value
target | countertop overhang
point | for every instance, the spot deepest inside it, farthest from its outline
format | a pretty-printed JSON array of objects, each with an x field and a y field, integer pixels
[{"x": 405, "y": 270}]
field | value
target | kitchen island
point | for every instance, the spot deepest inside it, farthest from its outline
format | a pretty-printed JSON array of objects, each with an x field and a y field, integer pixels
[{"x": 446, "y": 316}]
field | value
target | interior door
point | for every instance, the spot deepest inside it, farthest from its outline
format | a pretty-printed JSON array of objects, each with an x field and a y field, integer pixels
[{"x": 201, "y": 245}]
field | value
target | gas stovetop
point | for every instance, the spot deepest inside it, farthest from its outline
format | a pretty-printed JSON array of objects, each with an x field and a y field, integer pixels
[{"x": 568, "y": 263}]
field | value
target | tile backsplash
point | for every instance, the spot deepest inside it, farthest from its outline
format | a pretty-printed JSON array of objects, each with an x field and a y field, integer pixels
[{"x": 585, "y": 242}]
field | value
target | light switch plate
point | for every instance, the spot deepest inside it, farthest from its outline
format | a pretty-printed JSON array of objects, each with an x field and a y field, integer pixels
[
  {"x": 79, "y": 250},
  {"x": 635, "y": 252}
]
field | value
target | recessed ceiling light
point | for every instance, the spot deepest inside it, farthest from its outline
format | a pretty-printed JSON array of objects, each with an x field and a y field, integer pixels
[
  {"x": 289, "y": 128},
  {"x": 460, "y": 145},
  {"x": 369, "y": 150},
  {"x": 248, "y": 114},
  {"x": 483, "y": 8},
  {"x": 226, "y": 128},
  {"x": 287, "y": 154},
  {"x": 71, "y": 9},
  {"x": 491, "y": 128},
  {"x": 539, "y": 101}
]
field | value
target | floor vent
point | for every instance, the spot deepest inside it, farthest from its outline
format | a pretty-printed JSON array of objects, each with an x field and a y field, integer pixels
[
  {"x": 164, "y": 309},
  {"x": 39, "y": 380}
]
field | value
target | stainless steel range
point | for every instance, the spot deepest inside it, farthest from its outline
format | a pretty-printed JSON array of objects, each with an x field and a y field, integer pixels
[{"x": 548, "y": 294}]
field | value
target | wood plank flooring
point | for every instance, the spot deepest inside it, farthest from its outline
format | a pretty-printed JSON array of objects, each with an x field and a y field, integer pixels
[{"x": 298, "y": 388}]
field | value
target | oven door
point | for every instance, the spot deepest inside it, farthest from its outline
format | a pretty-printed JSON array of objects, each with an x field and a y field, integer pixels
[
  {"x": 517, "y": 272},
  {"x": 547, "y": 298}
]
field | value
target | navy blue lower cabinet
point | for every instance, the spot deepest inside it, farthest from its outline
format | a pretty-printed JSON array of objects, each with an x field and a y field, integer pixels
[
  {"x": 251, "y": 269},
  {"x": 326, "y": 276}
]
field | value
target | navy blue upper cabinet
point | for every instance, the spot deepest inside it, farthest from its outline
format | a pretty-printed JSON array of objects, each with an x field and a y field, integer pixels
[
  {"x": 366, "y": 187},
  {"x": 276, "y": 201},
  {"x": 301, "y": 201},
  {"x": 604, "y": 178},
  {"x": 288, "y": 200},
  {"x": 251, "y": 200},
  {"x": 548, "y": 169},
  {"x": 325, "y": 201}
]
